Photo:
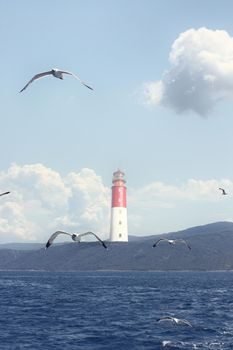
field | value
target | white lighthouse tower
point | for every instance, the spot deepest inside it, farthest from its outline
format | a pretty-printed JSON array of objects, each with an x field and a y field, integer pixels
[{"x": 119, "y": 225}]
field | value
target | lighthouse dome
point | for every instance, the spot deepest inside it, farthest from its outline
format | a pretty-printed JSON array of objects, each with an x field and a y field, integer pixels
[{"x": 118, "y": 175}]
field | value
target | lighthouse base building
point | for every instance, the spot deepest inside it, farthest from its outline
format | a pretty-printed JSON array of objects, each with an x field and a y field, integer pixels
[{"x": 119, "y": 224}]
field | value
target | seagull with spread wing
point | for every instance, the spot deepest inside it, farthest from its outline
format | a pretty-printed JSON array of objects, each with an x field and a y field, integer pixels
[
  {"x": 75, "y": 237},
  {"x": 175, "y": 320},
  {"x": 171, "y": 241},
  {"x": 223, "y": 191},
  {"x": 57, "y": 73}
]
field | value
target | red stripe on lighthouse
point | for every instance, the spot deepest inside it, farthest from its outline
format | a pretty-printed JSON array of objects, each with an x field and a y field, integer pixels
[{"x": 118, "y": 196}]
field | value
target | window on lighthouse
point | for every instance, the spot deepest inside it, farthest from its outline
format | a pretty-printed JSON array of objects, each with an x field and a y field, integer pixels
[
  {"x": 120, "y": 222},
  {"x": 119, "y": 235}
]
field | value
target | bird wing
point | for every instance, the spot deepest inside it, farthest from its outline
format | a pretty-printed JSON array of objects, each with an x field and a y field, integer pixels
[
  {"x": 75, "y": 76},
  {"x": 2, "y": 194},
  {"x": 222, "y": 189},
  {"x": 37, "y": 76},
  {"x": 91, "y": 233},
  {"x": 183, "y": 241},
  {"x": 54, "y": 235},
  {"x": 166, "y": 318},
  {"x": 185, "y": 322},
  {"x": 157, "y": 242}
]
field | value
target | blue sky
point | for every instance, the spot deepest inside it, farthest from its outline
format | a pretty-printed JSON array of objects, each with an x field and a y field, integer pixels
[{"x": 61, "y": 130}]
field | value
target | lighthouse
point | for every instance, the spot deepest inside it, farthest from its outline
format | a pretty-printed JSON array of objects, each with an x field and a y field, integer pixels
[{"x": 119, "y": 225}]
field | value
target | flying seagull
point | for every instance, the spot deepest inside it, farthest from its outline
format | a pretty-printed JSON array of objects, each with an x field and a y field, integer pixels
[
  {"x": 57, "y": 73},
  {"x": 2, "y": 194},
  {"x": 223, "y": 191},
  {"x": 75, "y": 237},
  {"x": 175, "y": 320},
  {"x": 171, "y": 241}
]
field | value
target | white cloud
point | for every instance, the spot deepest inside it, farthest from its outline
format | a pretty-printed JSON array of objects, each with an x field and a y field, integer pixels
[
  {"x": 41, "y": 201},
  {"x": 161, "y": 207},
  {"x": 164, "y": 195},
  {"x": 201, "y": 73},
  {"x": 95, "y": 206}
]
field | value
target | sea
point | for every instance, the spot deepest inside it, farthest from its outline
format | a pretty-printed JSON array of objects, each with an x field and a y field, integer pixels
[{"x": 115, "y": 310}]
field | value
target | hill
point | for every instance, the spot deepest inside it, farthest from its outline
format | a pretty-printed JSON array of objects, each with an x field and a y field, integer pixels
[{"x": 212, "y": 249}]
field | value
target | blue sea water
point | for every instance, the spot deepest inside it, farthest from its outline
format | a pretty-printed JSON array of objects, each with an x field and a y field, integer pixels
[{"x": 115, "y": 310}]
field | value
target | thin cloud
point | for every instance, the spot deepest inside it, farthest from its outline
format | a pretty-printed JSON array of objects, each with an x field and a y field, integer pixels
[
  {"x": 159, "y": 194},
  {"x": 201, "y": 73},
  {"x": 42, "y": 201}
]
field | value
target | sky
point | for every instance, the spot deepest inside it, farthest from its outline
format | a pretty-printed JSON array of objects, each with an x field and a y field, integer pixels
[{"x": 161, "y": 110}]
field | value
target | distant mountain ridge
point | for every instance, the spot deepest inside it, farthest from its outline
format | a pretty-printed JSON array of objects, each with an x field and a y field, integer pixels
[
  {"x": 21, "y": 246},
  {"x": 212, "y": 249}
]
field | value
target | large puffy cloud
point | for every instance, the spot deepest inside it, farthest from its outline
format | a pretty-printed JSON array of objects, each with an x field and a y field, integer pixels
[
  {"x": 201, "y": 72},
  {"x": 42, "y": 201},
  {"x": 94, "y": 209}
]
